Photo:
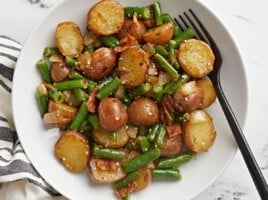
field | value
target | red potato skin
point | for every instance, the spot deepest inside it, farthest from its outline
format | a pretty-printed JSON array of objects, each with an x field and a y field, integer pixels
[
  {"x": 112, "y": 114},
  {"x": 172, "y": 146},
  {"x": 103, "y": 61},
  {"x": 190, "y": 102},
  {"x": 143, "y": 112},
  {"x": 59, "y": 71}
]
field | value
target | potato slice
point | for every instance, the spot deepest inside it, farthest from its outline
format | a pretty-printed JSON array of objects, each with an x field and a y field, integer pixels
[
  {"x": 160, "y": 35},
  {"x": 199, "y": 131},
  {"x": 106, "y": 17},
  {"x": 196, "y": 58},
  {"x": 73, "y": 151},
  {"x": 144, "y": 177},
  {"x": 209, "y": 93},
  {"x": 105, "y": 171},
  {"x": 133, "y": 65},
  {"x": 69, "y": 39},
  {"x": 107, "y": 139}
]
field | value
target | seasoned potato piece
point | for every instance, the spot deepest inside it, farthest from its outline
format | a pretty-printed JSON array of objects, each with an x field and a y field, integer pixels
[
  {"x": 106, "y": 139},
  {"x": 69, "y": 39},
  {"x": 196, "y": 58},
  {"x": 105, "y": 17},
  {"x": 73, "y": 151},
  {"x": 160, "y": 35},
  {"x": 105, "y": 171},
  {"x": 199, "y": 131},
  {"x": 133, "y": 65},
  {"x": 209, "y": 93},
  {"x": 144, "y": 177},
  {"x": 59, "y": 114}
]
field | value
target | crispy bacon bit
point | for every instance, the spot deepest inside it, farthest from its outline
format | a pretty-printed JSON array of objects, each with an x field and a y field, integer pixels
[
  {"x": 125, "y": 43},
  {"x": 92, "y": 101},
  {"x": 173, "y": 130},
  {"x": 106, "y": 165},
  {"x": 167, "y": 103},
  {"x": 165, "y": 116},
  {"x": 123, "y": 192}
]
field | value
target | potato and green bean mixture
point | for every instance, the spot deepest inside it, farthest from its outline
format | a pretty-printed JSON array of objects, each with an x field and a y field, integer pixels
[{"x": 128, "y": 92}]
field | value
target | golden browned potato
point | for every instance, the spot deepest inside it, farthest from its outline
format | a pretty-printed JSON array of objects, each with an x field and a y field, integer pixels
[
  {"x": 112, "y": 114},
  {"x": 105, "y": 171},
  {"x": 144, "y": 177},
  {"x": 106, "y": 139},
  {"x": 98, "y": 64},
  {"x": 59, "y": 114},
  {"x": 160, "y": 35},
  {"x": 209, "y": 93},
  {"x": 69, "y": 39},
  {"x": 143, "y": 112},
  {"x": 73, "y": 151},
  {"x": 199, "y": 131},
  {"x": 106, "y": 17},
  {"x": 132, "y": 67},
  {"x": 196, "y": 58}
]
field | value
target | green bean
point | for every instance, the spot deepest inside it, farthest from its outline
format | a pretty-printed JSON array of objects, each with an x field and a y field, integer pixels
[
  {"x": 104, "y": 81},
  {"x": 56, "y": 96},
  {"x": 143, "y": 143},
  {"x": 43, "y": 68},
  {"x": 141, "y": 160},
  {"x": 70, "y": 61},
  {"x": 157, "y": 14},
  {"x": 172, "y": 45},
  {"x": 161, "y": 50},
  {"x": 126, "y": 180},
  {"x": 140, "y": 90},
  {"x": 76, "y": 75},
  {"x": 142, "y": 12},
  {"x": 183, "y": 117},
  {"x": 79, "y": 117},
  {"x": 109, "y": 41},
  {"x": 166, "y": 66},
  {"x": 114, "y": 154},
  {"x": 186, "y": 34},
  {"x": 109, "y": 88},
  {"x": 85, "y": 128},
  {"x": 152, "y": 132},
  {"x": 89, "y": 48},
  {"x": 79, "y": 94},
  {"x": 171, "y": 87},
  {"x": 158, "y": 92},
  {"x": 160, "y": 136},
  {"x": 169, "y": 174},
  {"x": 71, "y": 84},
  {"x": 126, "y": 197},
  {"x": 91, "y": 86},
  {"x": 42, "y": 96},
  {"x": 174, "y": 162},
  {"x": 167, "y": 18},
  {"x": 94, "y": 120},
  {"x": 49, "y": 51}
]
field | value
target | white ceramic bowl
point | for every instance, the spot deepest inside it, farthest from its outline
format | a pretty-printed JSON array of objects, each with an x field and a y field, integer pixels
[{"x": 38, "y": 141}]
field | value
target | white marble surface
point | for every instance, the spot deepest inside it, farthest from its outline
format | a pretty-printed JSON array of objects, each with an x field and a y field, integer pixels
[{"x": 247, "y": 22}]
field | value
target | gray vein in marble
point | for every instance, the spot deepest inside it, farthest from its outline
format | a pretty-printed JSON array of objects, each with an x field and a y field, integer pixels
[
  {"x": 41, "y": 3},
  {"x": 264, "y": 155}
]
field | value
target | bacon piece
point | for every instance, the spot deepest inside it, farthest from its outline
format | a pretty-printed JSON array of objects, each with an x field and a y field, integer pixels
[
  {"x": 92, "y": 101},
  {"x": 173, "y": 130}
]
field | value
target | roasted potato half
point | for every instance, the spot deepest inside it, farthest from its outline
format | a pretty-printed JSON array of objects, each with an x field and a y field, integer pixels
[
  {"x": 105, "y": 171},
  {"x": 160, "y": 35},
  {"x": 105, "y": 17},
  {"x": 73, "y": 151},
  {"x": 69, "y": 39},
  {"x": 132, "y": 67},
  {"x": 199, "y": 131},
  {"x": 209, "y": 93},
  {"x": 196, "y": 58},
  {"x": 106, "y": 139}
]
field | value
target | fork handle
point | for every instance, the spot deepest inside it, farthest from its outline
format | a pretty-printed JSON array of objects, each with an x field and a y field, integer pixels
[{"x": 246, "y": 152}]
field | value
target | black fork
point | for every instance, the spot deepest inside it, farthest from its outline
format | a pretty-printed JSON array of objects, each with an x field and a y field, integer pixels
[{"x": 190, "y": 20}]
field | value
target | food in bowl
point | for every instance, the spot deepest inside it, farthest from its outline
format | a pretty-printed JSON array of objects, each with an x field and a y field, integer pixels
[{"x": 128, "y": 95}]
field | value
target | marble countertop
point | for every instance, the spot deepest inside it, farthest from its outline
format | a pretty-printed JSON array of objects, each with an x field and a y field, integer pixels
[{"x": 247, "y": 22}]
